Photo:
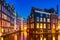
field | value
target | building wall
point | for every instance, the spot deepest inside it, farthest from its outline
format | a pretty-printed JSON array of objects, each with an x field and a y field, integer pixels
[
  {"x": 59, "y": 23},
  {"x": 6, "y": 18},
  {"x": 40, "y": 21}
]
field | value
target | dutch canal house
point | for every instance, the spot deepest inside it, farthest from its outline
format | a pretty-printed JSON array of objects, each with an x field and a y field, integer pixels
[
  {"x": 43, "y": 21},
  {"x": 6, "y": 18}
]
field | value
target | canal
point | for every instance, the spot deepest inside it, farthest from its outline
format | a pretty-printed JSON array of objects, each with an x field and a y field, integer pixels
[{"x": 26, "y": 36}]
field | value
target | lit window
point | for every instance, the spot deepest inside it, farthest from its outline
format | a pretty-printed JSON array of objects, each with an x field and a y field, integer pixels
[
  {"x": 37, "y": 25},
  {"x": 0, "y": 22},
  {"x": 44, "y": 38},
  {"x": 5, "y": 17},
  {"x": 44, "y": 25},
  {"x": 2, "y": 30},
  {"x": 44, "y": 19},
  {"x": 41, "y": 25},
  {"x": 40, "y": 19},
  {"x": 53, "y": 26},
  {"x": 37, "y": 18},
  {"x": 53, "y": 38},
  {"x": 48, "y": 25},
  {"x": 7, "y": 24},
  {"x": 32, "y": 25},
  {"x": 48, "y": 20},
  {"x": 3, "y": 23}
]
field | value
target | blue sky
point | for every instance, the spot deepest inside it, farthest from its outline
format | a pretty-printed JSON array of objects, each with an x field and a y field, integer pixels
[{"x": 23, "y": 7}]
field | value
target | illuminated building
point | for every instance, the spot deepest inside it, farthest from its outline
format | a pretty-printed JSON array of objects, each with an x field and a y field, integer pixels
[
  {"x": 58, "y": 24},
  {"x": 42, "y": 21},
  {"x": 23, "y": 23},
  {"x": 18, "y": 23},
  {"x": 6, "y": 17}
]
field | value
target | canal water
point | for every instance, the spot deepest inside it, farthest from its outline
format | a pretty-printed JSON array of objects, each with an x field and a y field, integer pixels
[{"x": 27, "y": 36}]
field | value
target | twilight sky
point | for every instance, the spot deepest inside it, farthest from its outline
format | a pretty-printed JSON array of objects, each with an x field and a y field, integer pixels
[{"x": 23, "y": 7}]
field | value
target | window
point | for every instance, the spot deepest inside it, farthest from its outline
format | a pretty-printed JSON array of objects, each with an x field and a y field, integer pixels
[
  {"x": 2, "y": 30},
  {"x": 0, "y": 14},
  {"x": 32, "y": 25},
  {"x": 48, "y": 20},
  {"x": 8, "y": 18},
  {"x": 7, "y": 24},
  {"x": 3, "y": 23},
  {"x": 0, "y": 6},
  {"x": 48, "y": 16},
  {"x": 41, "y": 25},
  {"x": 48, "y": 25},
  {"x": 40, "y": 19},
  {"x": 0, "y": 23},
  {"x": 37, "y": 25},
  {"x": 44, "y": 19},
  {"x": 53, "y": 26},
  {"x": 5, "y": 16},
  {"x": 32, "y": 20},
  {"x": 32, "y": 15},
  {"x": 41, "y": 15},
  {"x": 44, "y": 25},
  {"x": 37, "y": 18}
]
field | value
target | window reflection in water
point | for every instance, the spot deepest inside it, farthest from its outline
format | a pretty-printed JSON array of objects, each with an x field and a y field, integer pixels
[
  {"x": 53, "y": 37},
  {"x": 41, "y": 37},
  {"x": 15, "y": 36},
  {"x": 1, "y": 38},
  {"x": 59, "y": 37},
  {"x": 44, "y": 38},
  {"x": 24, "y": 35},
  {"x": 21, "y": 35}
]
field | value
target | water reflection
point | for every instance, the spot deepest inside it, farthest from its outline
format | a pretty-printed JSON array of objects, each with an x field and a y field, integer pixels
[
  {"x": 26, "y": 36},
  {"x": 59, "y": 37},
  {"x": 15, "y": 36}
]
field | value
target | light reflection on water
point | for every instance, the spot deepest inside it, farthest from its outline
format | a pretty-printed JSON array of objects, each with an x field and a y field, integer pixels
[
  {"x": 59, "y": 37},
  {"x": 23, "y": 35},
  {"x": 26, "y": 36}
]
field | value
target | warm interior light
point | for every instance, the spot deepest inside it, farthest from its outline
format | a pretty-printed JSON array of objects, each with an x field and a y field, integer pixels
[
  {"x": 44, "y": 38},
  {"x": 25, "y": 28},
  {"x": 44, "y": 25},
  {"x": 2, "y": 30},
  {"x": 41, "y": 25},
  {"x": 37, "y": 25},
  {"x": 53, "y": 26},
  {"x": 53, "y": 38},
  {"x": 1, "y": 38},
  {"x": 48, "y": 20},
  {"x": 58, "y": 27},
  {"x": 15, "y": 36},
  {"x": 21, "y": 28},
  {"x": 0, "y": 33},
  {"x": 32, "y": 25}
]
